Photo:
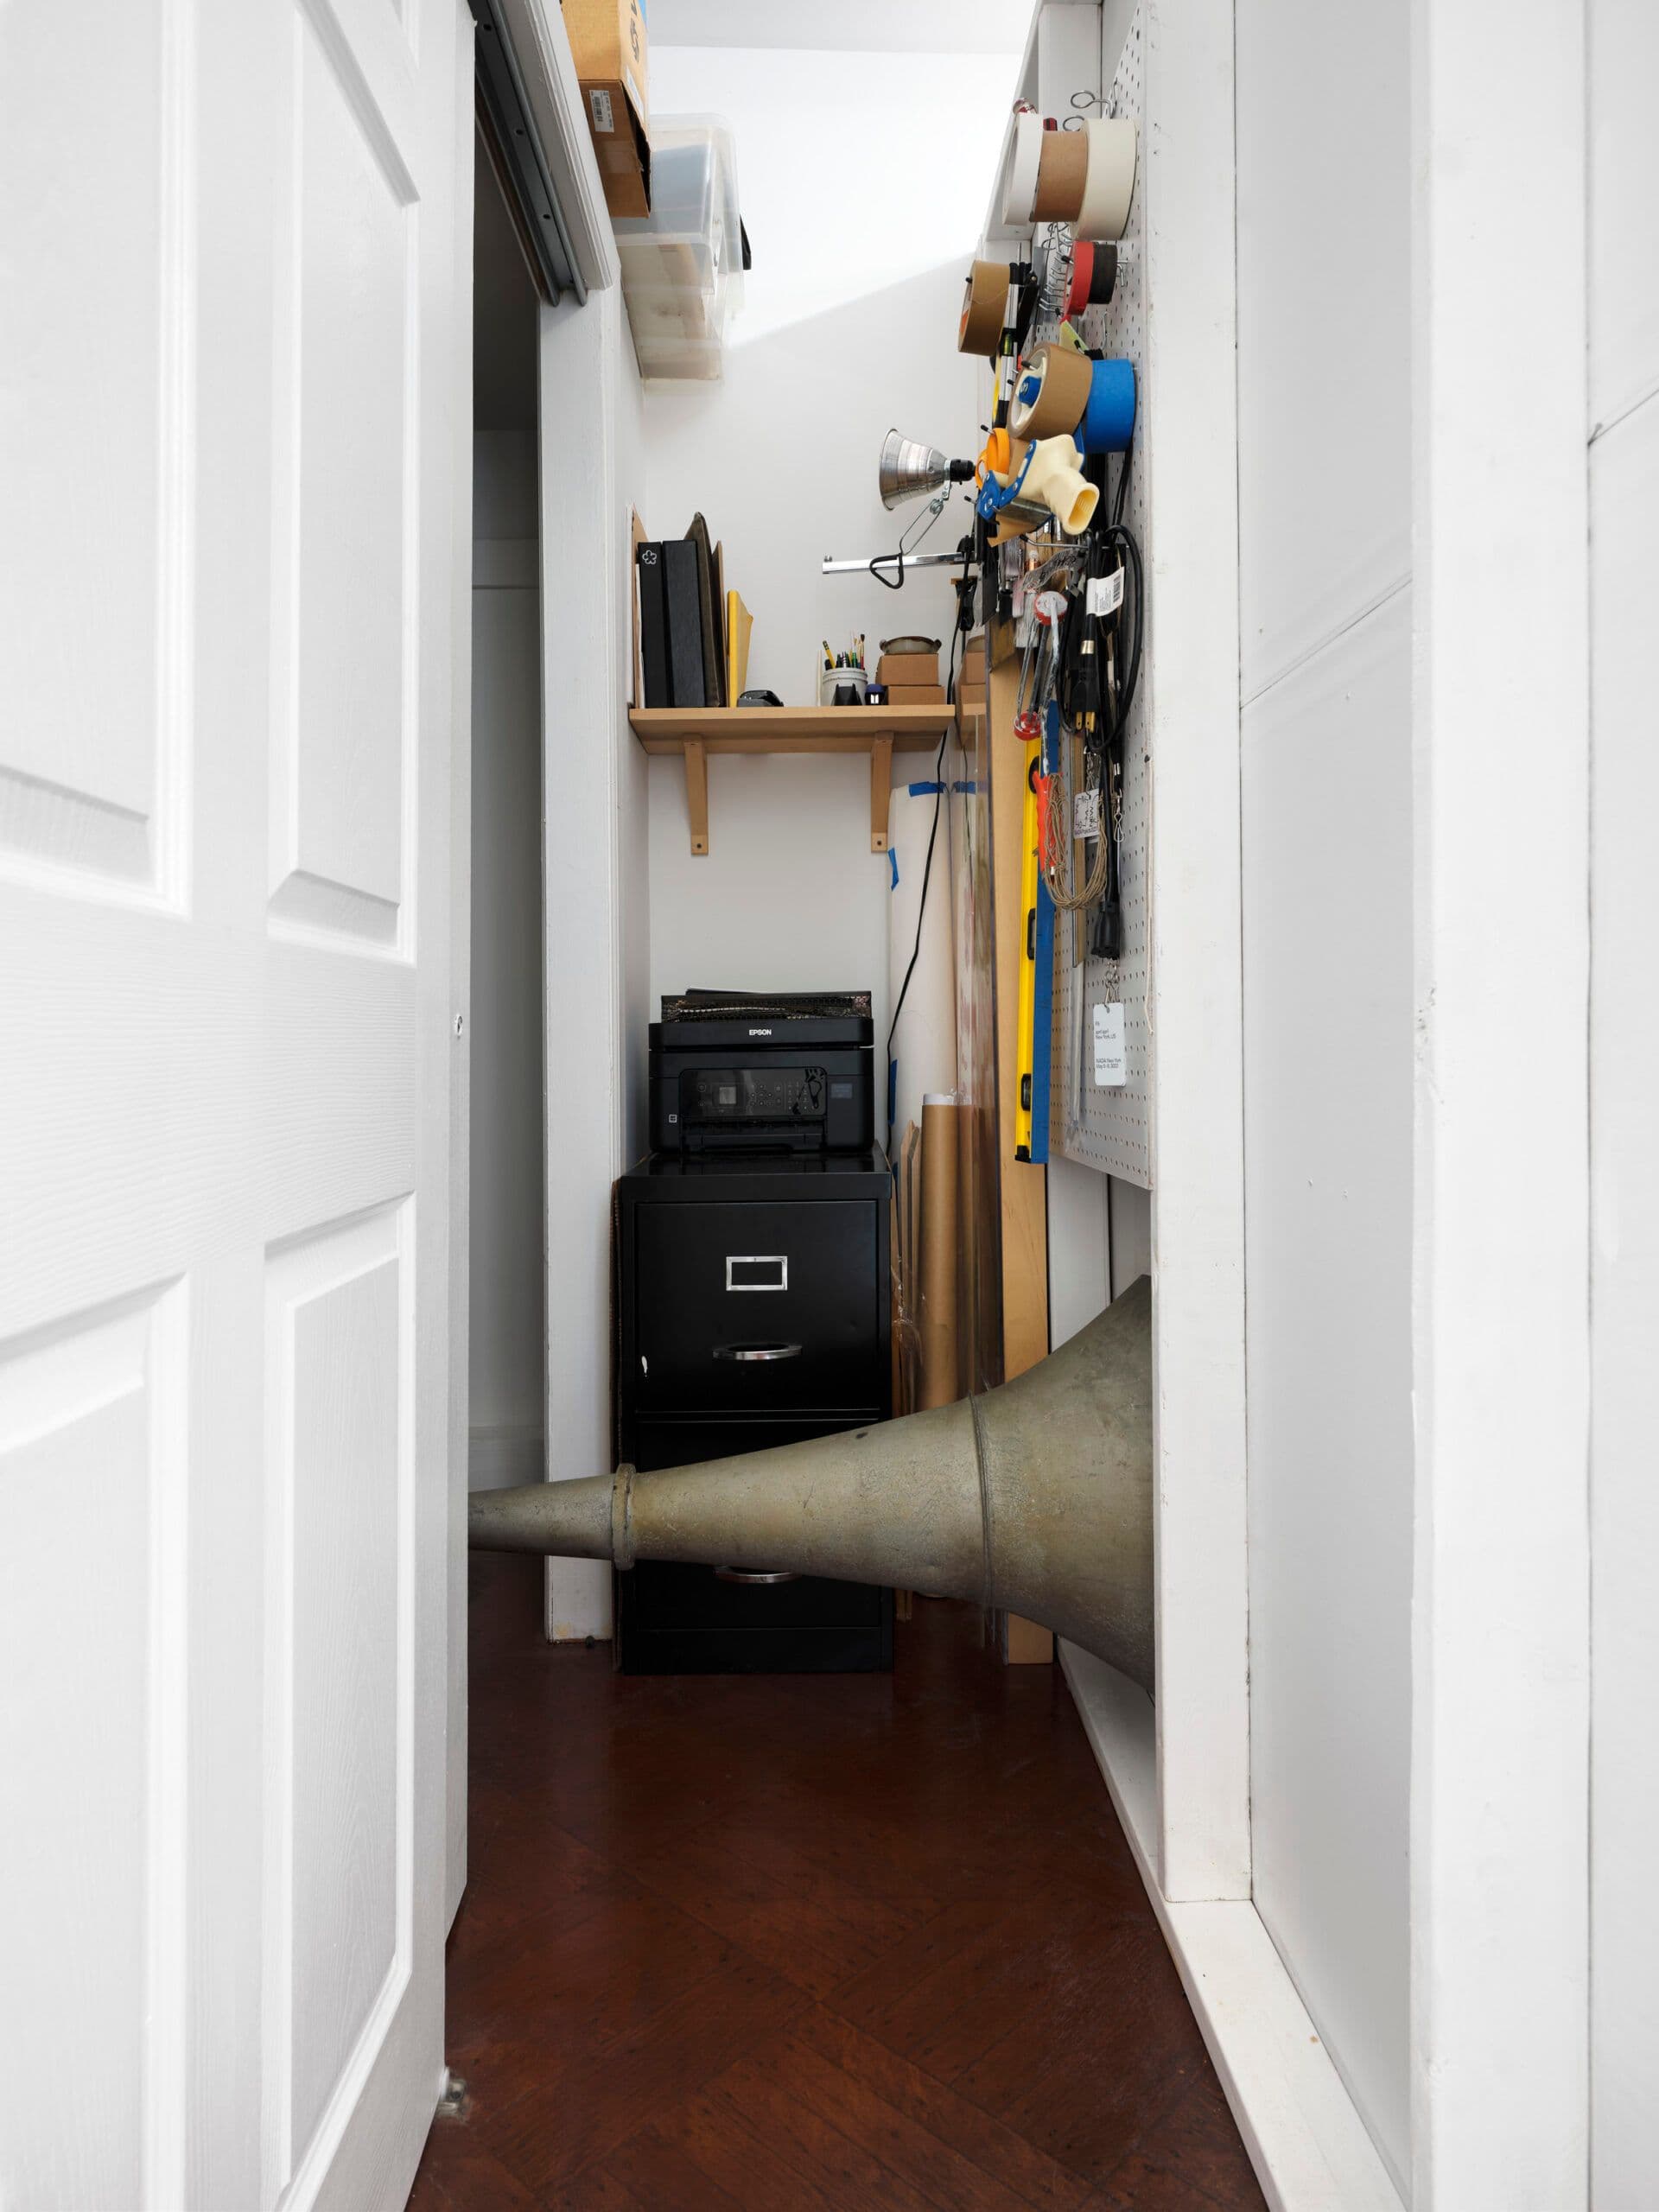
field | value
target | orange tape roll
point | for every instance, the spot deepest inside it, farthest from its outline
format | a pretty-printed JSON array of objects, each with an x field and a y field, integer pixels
[
  {"x": 1002, "y": 455},
  {"x": 984, "y": 304},
  {"x": 1064, "y": 380},
  {"x": 1062, "y": 176}
]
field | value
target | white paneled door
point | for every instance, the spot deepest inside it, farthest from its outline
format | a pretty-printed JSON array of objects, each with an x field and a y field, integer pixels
[{"x": 234, "y": 316}]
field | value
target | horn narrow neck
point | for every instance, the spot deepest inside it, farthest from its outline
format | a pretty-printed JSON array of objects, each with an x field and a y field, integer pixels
[{"x": 1036, "y": 1496}]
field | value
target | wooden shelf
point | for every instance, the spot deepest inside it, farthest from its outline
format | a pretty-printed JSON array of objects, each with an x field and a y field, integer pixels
[{"x": 696, "y": 732}]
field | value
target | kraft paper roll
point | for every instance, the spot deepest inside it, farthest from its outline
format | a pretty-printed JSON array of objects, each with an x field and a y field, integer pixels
[
  {"x": 1023, "y": 159},
  {"x": 938, "y": 1299},
  {"x": 910, "y": 1194},
  {"x": 1062, "y": 176},
  {"x": 984, "y": 304},
  {"x": 1104, "y": 209},
  {"x": 1062, "y": 381},
  {"x": 924, "y": 1043}
]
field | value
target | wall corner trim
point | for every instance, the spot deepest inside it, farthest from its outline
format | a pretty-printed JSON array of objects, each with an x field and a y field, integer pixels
[{"x": 1305, "y": 2136}]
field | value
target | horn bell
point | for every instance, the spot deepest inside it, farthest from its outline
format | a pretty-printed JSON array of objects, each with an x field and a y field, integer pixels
[{"x": 1035, "y": 1497}]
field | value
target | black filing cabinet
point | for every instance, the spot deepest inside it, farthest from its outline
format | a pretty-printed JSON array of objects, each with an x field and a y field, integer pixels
[{"x": 753, "y": 1310}]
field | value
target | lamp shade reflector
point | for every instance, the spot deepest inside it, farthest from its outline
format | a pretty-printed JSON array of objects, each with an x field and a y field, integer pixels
[{"x": 909, "y": 469}]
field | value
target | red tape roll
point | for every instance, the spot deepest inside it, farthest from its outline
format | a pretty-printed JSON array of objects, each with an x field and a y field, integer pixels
[{"x": 1083, "y": 272}]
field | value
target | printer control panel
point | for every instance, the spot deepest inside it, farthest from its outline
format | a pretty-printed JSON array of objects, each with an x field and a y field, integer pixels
[{"x": 762, "y": 1094}]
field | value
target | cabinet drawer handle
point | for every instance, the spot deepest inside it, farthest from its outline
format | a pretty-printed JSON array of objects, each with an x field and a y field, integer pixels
[{"x": 757, "y": 1352}]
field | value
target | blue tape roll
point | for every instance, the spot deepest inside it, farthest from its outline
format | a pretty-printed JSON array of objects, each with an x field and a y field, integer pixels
[{"x": 1108, "y": 422}]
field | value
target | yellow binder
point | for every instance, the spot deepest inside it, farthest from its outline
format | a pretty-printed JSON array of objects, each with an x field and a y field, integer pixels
[{"x": 738, "y": 623}]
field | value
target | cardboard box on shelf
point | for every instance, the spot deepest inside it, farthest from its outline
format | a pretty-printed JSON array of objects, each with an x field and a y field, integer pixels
[
  {"x": 915, "y": 695},
  {"x": 907, "y": 668},
  {"x": 607, "y": 40}
]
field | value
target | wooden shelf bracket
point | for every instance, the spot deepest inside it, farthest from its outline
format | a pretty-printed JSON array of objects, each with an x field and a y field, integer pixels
[
  {"x": 880, "y": 792},
  {"x": 697, "y": 794}
]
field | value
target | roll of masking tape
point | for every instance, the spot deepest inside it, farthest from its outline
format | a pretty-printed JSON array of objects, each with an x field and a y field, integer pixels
[
  {"x": 1108, "y": 422},
  {"x": 1050, "y": 390},
  {"x": 984, "y": 304},
  {"x": 1093, "y": 276},
  {"x": 1062, "y": 176},
  {"x": 1109, "y": 187},
  {"x": 1023, "y": 158}
]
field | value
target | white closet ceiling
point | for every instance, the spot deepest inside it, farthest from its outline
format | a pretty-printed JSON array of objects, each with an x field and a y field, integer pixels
[{"x": 859, "y": 26}]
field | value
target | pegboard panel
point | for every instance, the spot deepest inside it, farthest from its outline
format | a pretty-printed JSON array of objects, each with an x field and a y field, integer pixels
[{"x": 1110, "y": 1128}]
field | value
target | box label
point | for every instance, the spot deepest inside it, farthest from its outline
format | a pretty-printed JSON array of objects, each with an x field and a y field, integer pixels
[
  {"x": 600, "y": 107},
  {"x": 1111, "y": 1053}
]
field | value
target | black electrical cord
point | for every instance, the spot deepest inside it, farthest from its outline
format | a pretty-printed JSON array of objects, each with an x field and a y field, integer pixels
[
  {"x": 1117, "y": 537},
  {"x": 1123, "y": 483},
  {"x": 927, "y": 866}
]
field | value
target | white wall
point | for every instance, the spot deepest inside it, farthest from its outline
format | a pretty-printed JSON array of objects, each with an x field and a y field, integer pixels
[
  {"x": 1625, "y": 1094},
  {"x": 1324, "y": 439},
  {"x": 862, "y": 177},
  {"x": 506, "y": 1231},
  {"x": 597, "y": 896}
]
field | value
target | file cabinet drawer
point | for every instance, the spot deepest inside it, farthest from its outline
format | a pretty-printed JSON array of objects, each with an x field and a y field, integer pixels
[{"x": 747, "y": 1307}]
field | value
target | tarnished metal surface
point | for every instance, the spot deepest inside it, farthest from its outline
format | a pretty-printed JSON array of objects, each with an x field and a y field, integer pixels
[{"x": 1036, "y": 1496}]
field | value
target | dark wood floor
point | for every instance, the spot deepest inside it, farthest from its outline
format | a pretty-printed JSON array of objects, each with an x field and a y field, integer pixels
[{"x": 793, "y": 1941}]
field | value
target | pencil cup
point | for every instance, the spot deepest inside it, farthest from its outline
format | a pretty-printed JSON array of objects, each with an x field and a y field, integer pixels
[{"x": 832, "y": 680}]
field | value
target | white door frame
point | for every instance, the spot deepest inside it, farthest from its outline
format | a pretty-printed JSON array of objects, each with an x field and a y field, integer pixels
[{"x": 579, "y": 350}]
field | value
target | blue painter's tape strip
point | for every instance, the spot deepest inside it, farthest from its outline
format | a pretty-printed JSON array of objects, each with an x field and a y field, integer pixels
[
  {"x": 893, "y": 859},
  {"x": 923, "y": 791},
  {"x": 968, "y": 784}
]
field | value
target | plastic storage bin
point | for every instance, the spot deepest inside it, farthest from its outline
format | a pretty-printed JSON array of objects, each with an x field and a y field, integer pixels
[{"x": 683, "y": 264}]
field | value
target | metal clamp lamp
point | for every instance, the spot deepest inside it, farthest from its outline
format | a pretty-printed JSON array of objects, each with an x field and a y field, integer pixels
[{"x": 909, "y": 468}]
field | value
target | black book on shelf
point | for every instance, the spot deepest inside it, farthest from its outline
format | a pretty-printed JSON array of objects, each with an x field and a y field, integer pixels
[
  {"x": 714, "y": 616},
  {"x": 685, "y": 603},
  {"x": 654, "y": 628}
]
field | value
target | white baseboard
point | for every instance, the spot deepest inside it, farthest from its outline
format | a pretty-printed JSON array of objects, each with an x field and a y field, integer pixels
[
  {"x": 497, "y": 1458},
  {"x": 1309, "y": 2146}
]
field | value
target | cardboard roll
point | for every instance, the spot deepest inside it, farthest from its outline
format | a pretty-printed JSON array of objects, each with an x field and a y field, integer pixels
[
  {"x": 1102, "y": 209},
  {"x": 1050, "y": 390},
  {"x": 1093, "y": 276},
  {"x": 1062, "y": 176},
  {"x": 1023, "y": 157},
  {"x": 984, "y": 305}
]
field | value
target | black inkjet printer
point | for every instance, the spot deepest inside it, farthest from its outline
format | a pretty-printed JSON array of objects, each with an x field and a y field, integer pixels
[{"x": 752, "y": 1071}]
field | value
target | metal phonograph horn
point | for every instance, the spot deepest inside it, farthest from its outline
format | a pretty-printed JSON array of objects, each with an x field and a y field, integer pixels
[{"x": 1035, "y": 1496}]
